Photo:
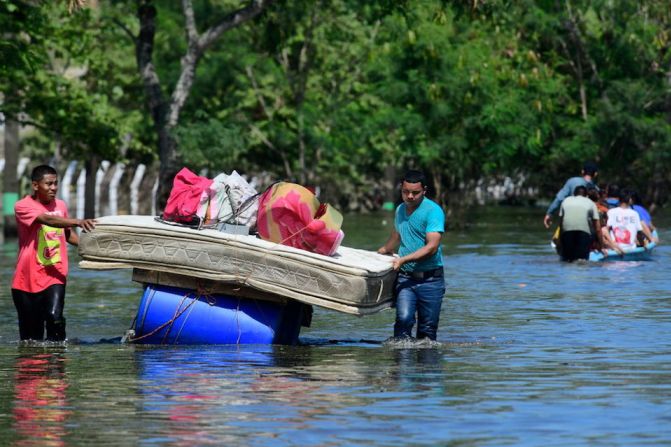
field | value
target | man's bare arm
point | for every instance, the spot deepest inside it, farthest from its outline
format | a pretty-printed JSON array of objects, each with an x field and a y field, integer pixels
[
  {"x": 429, "y": 249},
  {"x": 66, "y": 222},
  {"x": 391, "y": 244}
]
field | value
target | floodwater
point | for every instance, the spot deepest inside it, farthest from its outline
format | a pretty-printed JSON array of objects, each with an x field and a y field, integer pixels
[{"x": 532, "y": 352}]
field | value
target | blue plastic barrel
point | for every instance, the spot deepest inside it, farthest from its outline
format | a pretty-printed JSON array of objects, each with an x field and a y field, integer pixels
[{"x": 171, "y": 315}]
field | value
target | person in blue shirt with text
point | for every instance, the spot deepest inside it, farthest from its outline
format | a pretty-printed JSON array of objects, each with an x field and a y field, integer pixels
[{"x": 418, "y": 228}]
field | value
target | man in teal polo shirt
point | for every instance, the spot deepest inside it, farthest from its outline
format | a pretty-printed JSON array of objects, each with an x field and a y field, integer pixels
[{"x": 418, "y": 227}]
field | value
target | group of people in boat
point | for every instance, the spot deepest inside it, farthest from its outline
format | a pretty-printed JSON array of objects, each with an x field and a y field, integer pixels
[{"x": 598, "y": 217}]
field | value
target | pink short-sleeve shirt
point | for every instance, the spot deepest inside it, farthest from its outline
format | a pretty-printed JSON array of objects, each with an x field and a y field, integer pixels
[{"x": 43, "y": 251}]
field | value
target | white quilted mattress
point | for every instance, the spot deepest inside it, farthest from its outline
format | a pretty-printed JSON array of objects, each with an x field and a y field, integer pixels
[{"x": 353, "y": 281}]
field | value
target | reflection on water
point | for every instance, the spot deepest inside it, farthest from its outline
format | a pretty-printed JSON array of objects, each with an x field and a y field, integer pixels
[
  {"x": 532, "y": 352},
  {"x": 291, "y": 393},
  {"x": 40, "y": 407}
]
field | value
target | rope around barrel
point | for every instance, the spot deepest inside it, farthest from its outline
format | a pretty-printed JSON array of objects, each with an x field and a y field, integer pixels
[
  {"x": 200, "y": 293},
  {"x": 211, "y": 300}
]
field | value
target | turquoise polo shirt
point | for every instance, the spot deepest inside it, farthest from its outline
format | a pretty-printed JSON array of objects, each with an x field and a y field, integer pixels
[{"x": 427, "y": 218}]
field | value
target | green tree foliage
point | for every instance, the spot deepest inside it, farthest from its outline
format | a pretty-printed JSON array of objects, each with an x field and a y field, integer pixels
[
  {"x": 467, "y": 97},
  {"x": 60, "y": 77},
  {"x": 614, "y": 59},
  {"x": 335, "y": 92}
]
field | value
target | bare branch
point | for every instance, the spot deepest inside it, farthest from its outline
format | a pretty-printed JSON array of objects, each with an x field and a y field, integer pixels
[
  {"x": 231, "y": 21},
  {"x": 127, "y": 30},
  {"x": 143, "y": 52},
  {"x": 567, "y": 53},
  {"x": 74, "y": 5},
  {"x": 198, "y": 45},
  {"x": 574, "y": 30},
  {"x": 283, "y": 59},
  {"x": 250, "y": 73},
  {"x": 183, "y": 86},
  {"x": 190, "y": 22},
  {"x": 264, "y": 139}
]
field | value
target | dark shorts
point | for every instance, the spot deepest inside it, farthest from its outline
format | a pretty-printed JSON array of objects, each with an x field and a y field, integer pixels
[
  {"x": 575, "y": 245},
  {"x": 40, "y": 311}
]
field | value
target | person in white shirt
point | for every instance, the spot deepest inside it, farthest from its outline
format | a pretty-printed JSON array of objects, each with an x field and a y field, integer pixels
[{"x": 624, "y": 224}]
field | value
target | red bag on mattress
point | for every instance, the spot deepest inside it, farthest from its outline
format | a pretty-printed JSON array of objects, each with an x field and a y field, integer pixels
[{"x": 188, "y": 199}]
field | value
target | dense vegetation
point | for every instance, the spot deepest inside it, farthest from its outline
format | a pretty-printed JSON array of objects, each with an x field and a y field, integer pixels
[{"x": 344, "y": 93}]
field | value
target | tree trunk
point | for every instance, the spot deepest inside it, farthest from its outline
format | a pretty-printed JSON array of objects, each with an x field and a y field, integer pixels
[
  {"x": 301, "y": 148},
  {"x": 10, "y": 182},
  {"x": 438, "y": 187},
  {"x": 144, "y": 49},
  {"x": 166, "y": 115},
  {"x": 300, "y": 91},
  {"x": 168, "y": 166},
  {"x": 390, "y": 194}
]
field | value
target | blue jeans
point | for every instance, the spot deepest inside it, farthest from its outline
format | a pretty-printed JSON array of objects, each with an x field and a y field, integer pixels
[{"x": 423, "y": 297}]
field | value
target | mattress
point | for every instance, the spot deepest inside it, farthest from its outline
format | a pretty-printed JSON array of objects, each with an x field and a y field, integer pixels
[{"x": 353, "y": 281}]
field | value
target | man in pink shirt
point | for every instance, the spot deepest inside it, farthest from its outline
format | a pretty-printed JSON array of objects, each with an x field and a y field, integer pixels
[{"x": 38, "y": 288}]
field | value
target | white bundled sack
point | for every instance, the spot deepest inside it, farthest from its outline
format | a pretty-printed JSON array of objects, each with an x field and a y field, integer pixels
[{"x": 233, "y": 200}]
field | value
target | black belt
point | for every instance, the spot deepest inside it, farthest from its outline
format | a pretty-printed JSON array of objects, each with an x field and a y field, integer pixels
[{"x": 435, "y": 273}]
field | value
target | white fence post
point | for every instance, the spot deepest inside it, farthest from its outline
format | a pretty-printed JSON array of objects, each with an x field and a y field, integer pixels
[
  {"x": 81, "y": 193},
  {"x": 135, "y": 186},
  {"x": 114, "y": 188}
]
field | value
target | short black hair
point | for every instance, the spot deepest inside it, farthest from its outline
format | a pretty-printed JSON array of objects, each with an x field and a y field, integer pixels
[
  {"x": 590, "y": 168},
  {"x": 580, "y": 190},
  {"x": 636, "y": 198},
  {"x": 40, "y": 171},
  {"x": 613, "y": 190},
  {"x": 593, "y": 193},
  {"x": 414, "y": 176},
  {"x": 625, "y": 196}
]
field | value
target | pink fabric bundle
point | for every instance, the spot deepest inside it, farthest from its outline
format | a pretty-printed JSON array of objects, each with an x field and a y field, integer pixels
[
  {"x": 290, "y": 214},
  {"x": 188, "y": 199}
]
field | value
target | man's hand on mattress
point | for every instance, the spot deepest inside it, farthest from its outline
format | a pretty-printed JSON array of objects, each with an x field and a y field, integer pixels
[
  {"x": 86, "y": 224},
  {"x": 397, "y": 262}
]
